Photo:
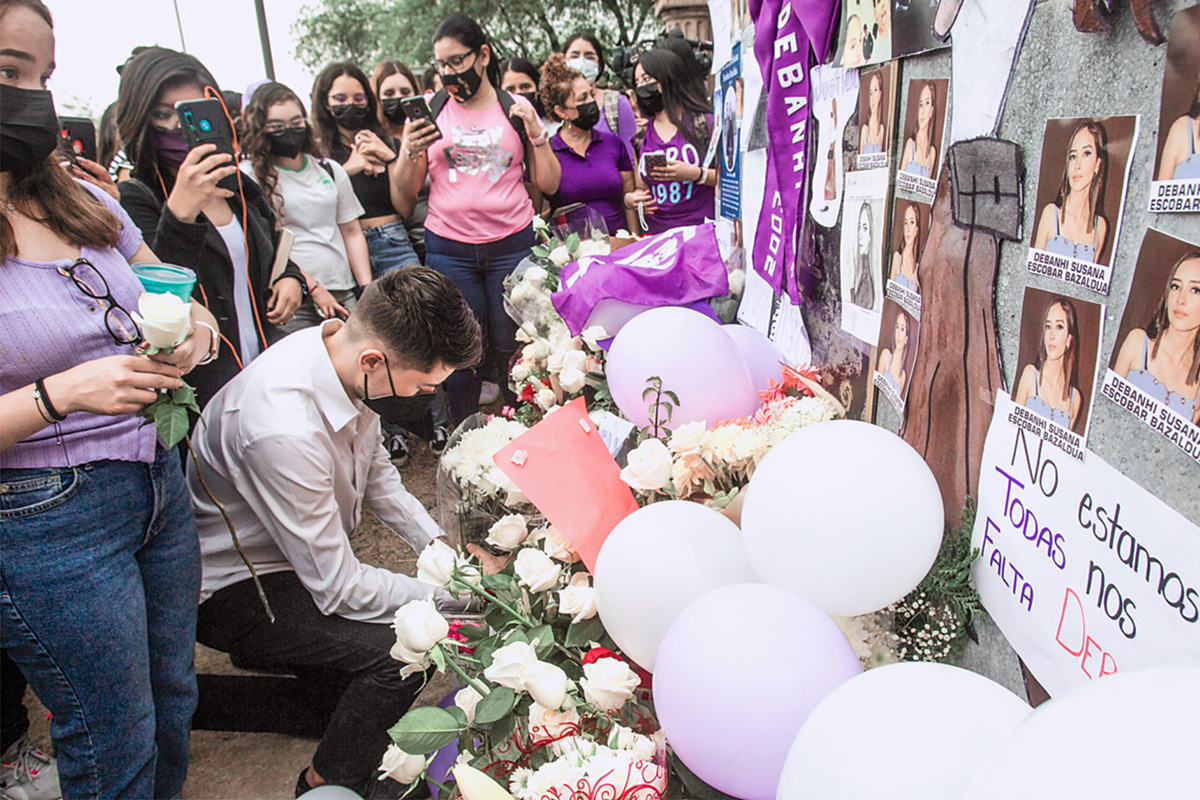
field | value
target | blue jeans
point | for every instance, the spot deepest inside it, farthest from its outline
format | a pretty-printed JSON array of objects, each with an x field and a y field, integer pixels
[
  {"x": 99, "y": 587},
  {"x": 390, "y": 248},
  {"x": 479, "y": 271}
]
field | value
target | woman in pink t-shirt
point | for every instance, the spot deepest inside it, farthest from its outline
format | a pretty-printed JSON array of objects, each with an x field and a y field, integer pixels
[{"x": 479, "y": 224}]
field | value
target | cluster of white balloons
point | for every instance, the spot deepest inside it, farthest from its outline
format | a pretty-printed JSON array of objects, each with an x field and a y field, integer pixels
[{"x": 840, "y": 518}]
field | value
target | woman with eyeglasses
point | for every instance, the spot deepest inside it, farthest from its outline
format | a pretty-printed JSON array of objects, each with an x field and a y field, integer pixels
[
  {"x": 596, "y": 169},
  {"x": 311, "y": 197},
  {"x": 584, "y": 54},
  {"x": 676, "y": 188},
  {"x": 391, "y": 81},
  {"x": 480, "y": 219},
  {"x": 101, "y": 577},
  {"x": 228, "y": 238},
  {"x": 346, "y": 121}
]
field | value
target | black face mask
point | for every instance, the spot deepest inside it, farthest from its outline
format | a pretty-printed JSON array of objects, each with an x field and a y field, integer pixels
[
  {"x": 350, "y": 116},
  {"x": 589, "y": 115},
  {"x": 394, "y": 408},
  {"x": 462, "y": 86},
  {"x": 649, "y": 99},
  {"x": 534, "y": 101},
  {"x": 288, "y": 143},
  {"x": 393, "y": 111},
  {"x": 29, "y": 130}
]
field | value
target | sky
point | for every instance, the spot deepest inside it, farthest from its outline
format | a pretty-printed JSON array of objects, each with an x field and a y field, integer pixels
[{"x": 93, "y": 36}]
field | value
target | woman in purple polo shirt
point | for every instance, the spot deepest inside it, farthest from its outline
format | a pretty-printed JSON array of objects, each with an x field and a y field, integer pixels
[
  {"x": 595, "y": 166},
  {"x": 101, "y": 577},
  {"x": 675, "y": 188}
]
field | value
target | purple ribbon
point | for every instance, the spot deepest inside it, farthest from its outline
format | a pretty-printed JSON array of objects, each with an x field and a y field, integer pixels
[{"x": 789, "y": 37}]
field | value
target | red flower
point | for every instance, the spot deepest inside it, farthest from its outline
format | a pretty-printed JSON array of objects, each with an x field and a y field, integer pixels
[
  {"x": 527, "y": 394},
  {"x": 597, "y": 653}
]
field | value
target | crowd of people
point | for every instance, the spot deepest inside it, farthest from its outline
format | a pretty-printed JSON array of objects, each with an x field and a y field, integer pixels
[{"x": 308, "y": 369}]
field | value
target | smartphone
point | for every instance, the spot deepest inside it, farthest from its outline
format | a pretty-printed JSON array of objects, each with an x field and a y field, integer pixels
[
  {"x": 79, "y": 137},
  {"x": 204, "y": 122},
  {"x": 654, "y": 161},
  {"x": 416, "y": 108}
]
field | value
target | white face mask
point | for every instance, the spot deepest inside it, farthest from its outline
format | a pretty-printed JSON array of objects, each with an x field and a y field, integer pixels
[{"x": 589, "y": 69}]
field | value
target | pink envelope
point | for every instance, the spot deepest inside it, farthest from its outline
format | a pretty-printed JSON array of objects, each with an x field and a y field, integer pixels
[{"x": 563, "y": 467}]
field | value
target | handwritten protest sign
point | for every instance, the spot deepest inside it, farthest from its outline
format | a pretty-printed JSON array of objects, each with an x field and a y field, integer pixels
[{"x": 1085, "y": 572}]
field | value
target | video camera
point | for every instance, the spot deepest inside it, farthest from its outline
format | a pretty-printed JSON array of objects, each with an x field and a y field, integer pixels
[{"x": 624, "y": 59}]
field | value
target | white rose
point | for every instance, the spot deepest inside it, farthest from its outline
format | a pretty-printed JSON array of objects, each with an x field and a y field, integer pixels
[
  {"x": 622, "y": 738},
  {"x": 593, "y": 247},
  {"x": 400, "y": 766},
  {"x": 436, "y": 563},
  {"x": 546, "y": 683},
  {"x": 518, "y": 294},
  {"x": 466, "y": 699},
  {"x": 737, "y": 282},
  {"x": 556, "y": 545},
  {"x": 559, "y": 256},
  {"x": 534, "y": 275},
  {"x": 572, "y": 380},
  {"x": 546, "y": 724},
  {"x": 536, "y": 570},
  {"x": 546, "y": 399},
  {"x": 164, "y": 319},
  {"x": 624, "y": 234},
  {"x": 593, "y": 334},
  {"x": 555, "y": 362},
  {"x": 578, "y": 599},
  {"x": 520, "y": 373},
  {"x": 574, "y": 359},
  {"x": 608, "y": 682},
  {"x": 688, "y": 438},
  {"x": 508, "y": 532},
  {"x": 506, "y": 665},
  {"x": 648, "y": 467},
  {"x": 419, "y": 626},
  {"x": 537, "y": 350}
]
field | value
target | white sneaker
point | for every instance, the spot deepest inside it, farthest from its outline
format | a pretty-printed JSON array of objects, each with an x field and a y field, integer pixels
[
  {"x": 489, "y": 393},
  {"x": 28, "y": 774}
]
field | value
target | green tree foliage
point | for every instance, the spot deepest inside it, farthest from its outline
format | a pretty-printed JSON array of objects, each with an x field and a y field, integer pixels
[{"x": 364, "y": 30}]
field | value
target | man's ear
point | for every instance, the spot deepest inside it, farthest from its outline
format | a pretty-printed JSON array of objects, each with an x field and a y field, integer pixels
[{"x": 370, "y": 358}]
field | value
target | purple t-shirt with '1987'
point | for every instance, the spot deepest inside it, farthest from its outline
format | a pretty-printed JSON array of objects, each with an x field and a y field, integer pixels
[
  {"x": 595, "y": 177},
  {"x": 679, "y": 202}
]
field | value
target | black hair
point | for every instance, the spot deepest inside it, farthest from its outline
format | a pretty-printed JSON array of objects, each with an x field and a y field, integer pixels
[
  {"x": 521, "y": 65},
  {"x": 108, "y": 140},
  {"x": 324, "y": 125},
  {"x": 467, "y": 32},
  {"x": 421, "y": 318},
  {"x": 591, "y": 39},
  {"x": 142, "y": 81},
  {"x": 685, "y": 106},
  {"x": 428, "y": 78},
  {"x": 675, "y": 42},
  {"x": 257, "y": 146}
]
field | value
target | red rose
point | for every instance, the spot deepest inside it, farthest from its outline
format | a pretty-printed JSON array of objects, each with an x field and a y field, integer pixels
[{"x": 597, "y": 653}]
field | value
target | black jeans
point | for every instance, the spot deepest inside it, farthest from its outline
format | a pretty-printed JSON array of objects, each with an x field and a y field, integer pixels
[
  {"x": 334, "y": 654},
  {"x": 14, "y": 718}
]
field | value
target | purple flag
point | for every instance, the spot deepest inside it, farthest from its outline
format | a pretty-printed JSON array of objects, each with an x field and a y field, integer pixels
[
  {"x": 674, "y": 268},
  {"x": 788, "y": 34}
]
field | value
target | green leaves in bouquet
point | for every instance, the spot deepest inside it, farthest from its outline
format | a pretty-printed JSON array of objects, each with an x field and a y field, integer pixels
[
  {"x": 573, "y": 243},
  {"x": 540, "y": 251},
  {"x": 494, "y": 706},
  {"x": 660, "y": 409},
  {"x": 428, "y": 729},
  {"x": 585, "y": 631},
  {"x": 544, "y": 636},
  {"x": 169, "y": 413}
]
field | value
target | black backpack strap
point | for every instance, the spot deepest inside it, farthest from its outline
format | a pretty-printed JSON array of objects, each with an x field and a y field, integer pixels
[
  {"x": 438, "y": 102},
  {"x": 325, "y": 165},
  {"x": 506, "y": 104}
]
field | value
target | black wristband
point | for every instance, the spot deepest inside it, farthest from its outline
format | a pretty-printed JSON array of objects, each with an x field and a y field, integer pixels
[{"x": 40, "y": 388}]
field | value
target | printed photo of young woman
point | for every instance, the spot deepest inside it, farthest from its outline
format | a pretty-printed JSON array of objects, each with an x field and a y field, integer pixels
[
  {"x": 1175, "y": 186},
  {"x": 1056, "y": 367},
  {"x": 1154, "y": 371},
  {"x": 1080, "y": 196}
]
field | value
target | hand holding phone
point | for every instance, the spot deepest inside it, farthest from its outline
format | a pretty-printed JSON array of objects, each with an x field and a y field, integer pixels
[
  {"x": 204, "y": 122},
  {"x": 417, "y": 110}
]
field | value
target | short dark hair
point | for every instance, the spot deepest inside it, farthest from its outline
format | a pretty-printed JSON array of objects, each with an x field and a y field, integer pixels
[
  {"x": 591, "y": 39},
  {"x": 468, "y": 33},
  {"x": 324, "y": 125},
  {"x": 422, "y": 319}
]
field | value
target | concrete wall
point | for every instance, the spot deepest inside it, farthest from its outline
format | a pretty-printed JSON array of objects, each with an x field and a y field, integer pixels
[{"x": 1063, "y": 73}]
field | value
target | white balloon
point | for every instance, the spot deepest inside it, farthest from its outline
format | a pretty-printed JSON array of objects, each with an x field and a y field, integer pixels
[
  {"x": 330, "y": 792},
  {"x": 844, "y": 513},
  {"x": 956, "y": 716},
  {"x": 612, "y": 314},
  {"x": 763, "y": 357},
  {"x": 1130, "y": 734},
  {"x": 655, "y": 563}
]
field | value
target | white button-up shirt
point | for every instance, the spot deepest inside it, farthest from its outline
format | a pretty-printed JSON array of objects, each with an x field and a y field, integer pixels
[{"x": 294, "y": 459}]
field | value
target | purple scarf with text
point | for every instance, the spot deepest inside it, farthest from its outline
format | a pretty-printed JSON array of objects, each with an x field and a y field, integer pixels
[
  {"x": 789, "y": 36},
  {"x": 673, "y": 268}
]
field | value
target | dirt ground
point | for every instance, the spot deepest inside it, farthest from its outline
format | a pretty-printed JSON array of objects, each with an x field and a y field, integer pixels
[{"x": 264, "y": 766}]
